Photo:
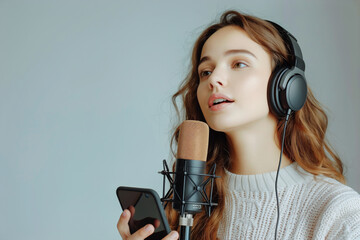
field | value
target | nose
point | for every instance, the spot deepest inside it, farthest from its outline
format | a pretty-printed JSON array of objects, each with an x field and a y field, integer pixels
[{"x": 217, "y": 79}]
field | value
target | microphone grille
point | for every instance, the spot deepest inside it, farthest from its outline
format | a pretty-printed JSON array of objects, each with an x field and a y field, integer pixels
[{"x": 193, "y": 140}]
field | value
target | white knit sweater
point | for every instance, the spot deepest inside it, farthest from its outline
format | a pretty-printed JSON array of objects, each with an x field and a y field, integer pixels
[{"x": 320, "y": 208}]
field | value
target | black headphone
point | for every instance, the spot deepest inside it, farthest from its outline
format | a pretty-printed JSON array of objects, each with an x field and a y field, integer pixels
[{"x": 287, "y": 86}]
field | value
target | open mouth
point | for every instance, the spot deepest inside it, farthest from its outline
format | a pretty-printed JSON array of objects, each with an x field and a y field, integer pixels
[{"x": 219, "y": 101}]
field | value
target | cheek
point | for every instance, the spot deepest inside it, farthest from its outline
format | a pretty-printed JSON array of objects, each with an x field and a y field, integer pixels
[
  {"x": 201, "y": 96},
  {"x": 250, "y": 87},
  {"x": 252, "y": 92}
]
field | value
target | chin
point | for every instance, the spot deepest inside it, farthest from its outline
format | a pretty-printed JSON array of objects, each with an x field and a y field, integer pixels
[
  {"x": 220, "y": 125},
  {"x": 230, "y": 124}
]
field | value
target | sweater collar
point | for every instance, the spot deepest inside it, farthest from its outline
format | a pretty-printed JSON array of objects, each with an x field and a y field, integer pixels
[{"x": 289, "y": 175}]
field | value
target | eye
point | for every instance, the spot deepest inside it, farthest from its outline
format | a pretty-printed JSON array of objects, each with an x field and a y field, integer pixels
[
  {"x": 204, "y": 73},
  {"x": 239, "y": 65}
]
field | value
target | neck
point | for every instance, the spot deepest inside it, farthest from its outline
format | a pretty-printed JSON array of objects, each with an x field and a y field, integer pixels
[{"x": 254, "y": 148}]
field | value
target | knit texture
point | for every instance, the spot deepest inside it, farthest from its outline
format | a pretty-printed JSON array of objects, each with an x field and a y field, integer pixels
[{"x": 310, "y": 208}]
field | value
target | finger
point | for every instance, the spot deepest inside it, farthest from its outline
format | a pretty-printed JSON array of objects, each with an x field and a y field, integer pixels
[
  {"x": 172, "y": 236},
  {"x": 123, "y": 224},
  {"x": 132, "y": 210},
  {"x": 147, "y": 220},
  {"x": 142, "y": 233},
  {"x": 156, "y": 223}
]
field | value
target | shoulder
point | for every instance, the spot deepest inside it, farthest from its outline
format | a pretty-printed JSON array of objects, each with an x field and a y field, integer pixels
[
  {"x": 338, "y": 209},
  {"x": 335, "y": 192}
]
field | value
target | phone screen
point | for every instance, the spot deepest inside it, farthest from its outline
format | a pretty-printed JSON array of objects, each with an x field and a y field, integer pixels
[{"x": 145, "y": 209}]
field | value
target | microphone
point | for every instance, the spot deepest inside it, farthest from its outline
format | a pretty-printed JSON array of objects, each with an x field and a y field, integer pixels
[
  {"x": 191, "y": 159},
  {"x": 188, "y": 183},
  {"x": 190, "y": 173}
]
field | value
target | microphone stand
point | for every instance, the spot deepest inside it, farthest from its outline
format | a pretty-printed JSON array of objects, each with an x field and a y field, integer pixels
[
  {"x": 186, "y": 221},
  {"x": 184, "y": 204}
]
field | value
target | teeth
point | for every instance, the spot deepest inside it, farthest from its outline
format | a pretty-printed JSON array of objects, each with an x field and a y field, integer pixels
[{"x": 216, "y": 101}]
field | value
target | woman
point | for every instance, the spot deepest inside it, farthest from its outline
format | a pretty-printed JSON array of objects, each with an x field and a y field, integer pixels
[{"x": 229, "y": 86}]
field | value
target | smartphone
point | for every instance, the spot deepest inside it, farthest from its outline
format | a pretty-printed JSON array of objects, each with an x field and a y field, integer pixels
[{"x": 145, "y": 207}]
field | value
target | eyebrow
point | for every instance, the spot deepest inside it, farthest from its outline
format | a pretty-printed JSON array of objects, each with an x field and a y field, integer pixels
[{"x": 230, "y": 52}]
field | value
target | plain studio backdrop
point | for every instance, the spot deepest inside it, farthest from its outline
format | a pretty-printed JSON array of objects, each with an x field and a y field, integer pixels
[{"x": 85, "y": 99}]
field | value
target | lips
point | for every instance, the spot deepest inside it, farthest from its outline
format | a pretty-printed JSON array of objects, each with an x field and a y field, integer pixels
[{"x": 217, "y": 101}]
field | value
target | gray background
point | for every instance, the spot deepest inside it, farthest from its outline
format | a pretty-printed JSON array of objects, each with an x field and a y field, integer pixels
[{"x": 85, "y": 91}]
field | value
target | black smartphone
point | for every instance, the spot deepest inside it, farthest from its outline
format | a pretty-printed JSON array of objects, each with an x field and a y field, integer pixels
[{"x": 145, "y": 207}]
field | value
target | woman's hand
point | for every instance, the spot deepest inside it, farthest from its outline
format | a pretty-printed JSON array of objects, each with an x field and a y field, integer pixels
[{"x": 142, "y": 233}]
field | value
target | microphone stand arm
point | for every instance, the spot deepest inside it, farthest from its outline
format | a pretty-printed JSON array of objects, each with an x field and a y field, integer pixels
[{"x": 186, "y": 221}]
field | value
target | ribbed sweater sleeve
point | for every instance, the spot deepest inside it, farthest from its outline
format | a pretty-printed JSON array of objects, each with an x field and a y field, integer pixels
[
  {"x": 310, "y": 208},
  {"x": 340, "y": 215}
]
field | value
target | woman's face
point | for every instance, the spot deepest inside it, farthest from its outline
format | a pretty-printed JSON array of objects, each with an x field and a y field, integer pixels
[{"x": 234, "y": 72}]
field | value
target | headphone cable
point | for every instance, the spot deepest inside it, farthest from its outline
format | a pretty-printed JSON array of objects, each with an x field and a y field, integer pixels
[{"x": 278, "y": 169}]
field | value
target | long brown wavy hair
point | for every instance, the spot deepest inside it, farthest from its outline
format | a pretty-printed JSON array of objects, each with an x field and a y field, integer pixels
[{"x": 305, "y": 135}]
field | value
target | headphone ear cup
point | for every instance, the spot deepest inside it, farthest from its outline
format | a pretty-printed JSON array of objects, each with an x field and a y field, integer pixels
[
  {"x": 293, "y": 96},
  {"x": 295, "y": 93},
  {"x": 274, "y": 93}
]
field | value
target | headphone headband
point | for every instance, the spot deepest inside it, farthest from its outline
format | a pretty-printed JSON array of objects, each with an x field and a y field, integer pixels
[{"x": 292, "y": 44}]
